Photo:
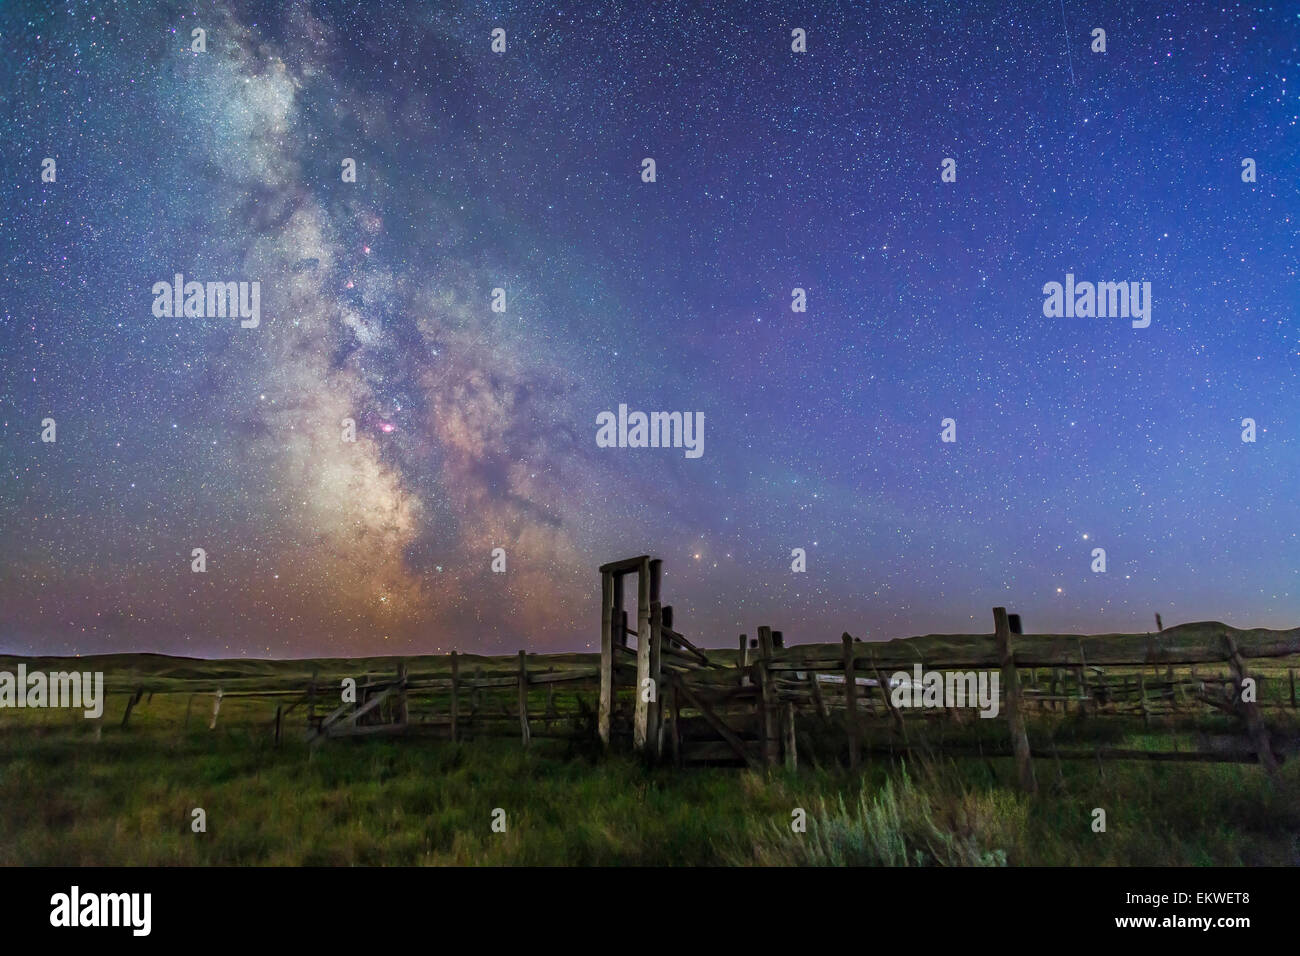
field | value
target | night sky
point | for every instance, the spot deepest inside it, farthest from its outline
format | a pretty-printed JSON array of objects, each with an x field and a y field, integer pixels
[{"x": 522, "y": 170}]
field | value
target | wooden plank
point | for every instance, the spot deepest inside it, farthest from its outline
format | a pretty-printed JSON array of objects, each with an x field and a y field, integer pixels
[
  {"x": 328, "y": 720},
  {"x": 676, "y": 638},
  {"x": 370, "y": 705},
  {"x": 523, "y": 699},
  {"x": 714, "y": 721},
  {"x": 562, "y": 677},
  {"x": 1015, "y": 718},
  {"x": 624, "y": 566},
  {"x": 1182, "y": 644}
]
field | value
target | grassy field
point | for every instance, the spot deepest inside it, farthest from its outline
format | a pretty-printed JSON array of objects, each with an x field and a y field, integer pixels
[{"x": 76, "y": 792}]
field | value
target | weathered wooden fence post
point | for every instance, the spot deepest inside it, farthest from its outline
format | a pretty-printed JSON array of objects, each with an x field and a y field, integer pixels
[
  {"x": 882, "y": 684},
  {"x": 1291, "y": 674},
  {"x": 1015, "y": 718},
  {"x": 654, "y": 709},
  {"x": 767, "y": 697},
  {"x": 550, "y": 701},
  {"x": 641, "y": 705},
  {"x": 403, "y": 714},
  {"x": 216, "y": 709},
  {"x": 1082, "y": 675},
  {"x": 654, "y": 725},
  {"x": 620, "y": 629},
  {"x": 279, "y": 718},
  {"x": 791, "y": 748},
  {"x": 814, "y": 688},
  {"x": 523, "y": 700},
  {"x": 850, "y": 701},
  {"x": 606, "y": 656},
  {"x": 455, "y": 697},
  {"x": 1249, "y": 710}
]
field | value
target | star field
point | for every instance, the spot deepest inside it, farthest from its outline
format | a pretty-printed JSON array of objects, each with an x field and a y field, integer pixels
[{"x": 521, "y": 171}]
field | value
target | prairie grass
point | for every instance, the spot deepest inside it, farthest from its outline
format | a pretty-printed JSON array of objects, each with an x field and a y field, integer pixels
[{"x": 72, "y": 794}]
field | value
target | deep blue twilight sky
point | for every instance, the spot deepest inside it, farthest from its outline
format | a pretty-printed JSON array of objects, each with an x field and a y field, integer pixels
[{"x": 521, "y": 170}]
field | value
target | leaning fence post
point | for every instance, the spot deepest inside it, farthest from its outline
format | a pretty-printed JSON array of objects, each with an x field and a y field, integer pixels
[
  {"x": 814, "y": 686},
  {"x": 523, "y": 700},
  {"x": 883, "y": 686},
  {"x": 1291, "y": 673},
  {"x": 279, "y": 716},
  {"x": 850, "y": 701},
  {"x": 1015, "y": 718},
  {"x": 130, "y": 705},
  {"x": 1249, "y": 709}
]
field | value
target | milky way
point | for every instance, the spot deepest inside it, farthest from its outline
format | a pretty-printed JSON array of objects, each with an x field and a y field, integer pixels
[{"x": 522, "y": 171}]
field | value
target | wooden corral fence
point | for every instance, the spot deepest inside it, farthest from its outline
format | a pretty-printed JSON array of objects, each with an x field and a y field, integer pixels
[
  {"x": 763, "y": 704},
  {"x": 688, "y": 707}
]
